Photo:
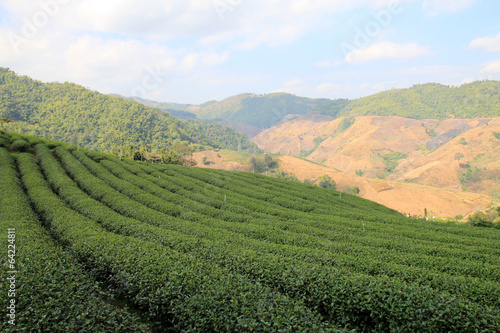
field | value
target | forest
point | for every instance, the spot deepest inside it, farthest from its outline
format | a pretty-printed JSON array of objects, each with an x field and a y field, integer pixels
[{"x": 71, "y": 113}]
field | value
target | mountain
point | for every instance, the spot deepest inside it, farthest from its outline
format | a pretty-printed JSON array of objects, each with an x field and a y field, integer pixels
[
  {"x": 175, "y": 109},
  {"x": 480, "y": 99},
  {"x": 74, "y": 114},
  {"x": 452, "y": 154},
  {"x": 402, "y": 196},
  {"x": 259, "y": 111},
  {"x": 166, "y": 248},
  {"x": 253, "y": 113}
]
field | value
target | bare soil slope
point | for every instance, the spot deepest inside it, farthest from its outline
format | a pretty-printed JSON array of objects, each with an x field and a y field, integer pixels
[
  {"x": 435, "y": 153},
  {"x": 404, "y": 197}
]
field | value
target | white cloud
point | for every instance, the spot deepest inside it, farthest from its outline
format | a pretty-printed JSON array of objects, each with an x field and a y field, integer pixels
[
  {"x": 387, "y": 50},
  {"x": 435, "y": 7},
  {"x": 491, "y": 68},
  {"x": 489, "y": 44}
]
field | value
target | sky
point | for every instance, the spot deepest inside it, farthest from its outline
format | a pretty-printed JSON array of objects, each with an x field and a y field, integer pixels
[{"x": 193, "y": 51}]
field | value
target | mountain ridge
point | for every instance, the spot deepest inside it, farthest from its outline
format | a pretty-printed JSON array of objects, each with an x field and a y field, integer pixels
[
  {"x": 71, "y": 113},
  {"x": 479, "y": 99}
]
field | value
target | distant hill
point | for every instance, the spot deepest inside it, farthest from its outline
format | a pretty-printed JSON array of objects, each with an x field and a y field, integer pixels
[
  {"x": 453, "y": 154},
  {"x": 71, "y": 113},
  {"x": 259, "y": 111},
  {"x": 175, "y": 109},
  {"x": 480, "y": 99}
]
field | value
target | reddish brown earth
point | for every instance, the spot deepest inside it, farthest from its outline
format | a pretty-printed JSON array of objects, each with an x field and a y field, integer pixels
[
  {"x": 437, "y": 154},
  {"x": 404, "y": 197},
  {"x": 431, "y": 147}
]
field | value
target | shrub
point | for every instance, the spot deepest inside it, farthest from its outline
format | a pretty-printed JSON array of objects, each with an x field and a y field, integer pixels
[
  {"x": 327, "y": 182},
  {"x": 20, "y": 145}
]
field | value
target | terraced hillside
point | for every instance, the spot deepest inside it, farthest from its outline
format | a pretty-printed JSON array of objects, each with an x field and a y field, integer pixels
[{"x": 168, "y": 248}]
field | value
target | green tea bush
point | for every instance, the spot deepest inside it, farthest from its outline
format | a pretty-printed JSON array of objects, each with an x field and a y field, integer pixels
[{"x": 20, "y": 145}]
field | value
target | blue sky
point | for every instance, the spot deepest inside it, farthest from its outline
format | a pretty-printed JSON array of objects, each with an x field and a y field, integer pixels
[{"x": 192, "y": 51}]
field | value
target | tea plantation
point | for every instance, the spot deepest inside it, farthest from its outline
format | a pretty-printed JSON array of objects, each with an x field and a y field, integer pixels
[{"x": 100, "y": 244}]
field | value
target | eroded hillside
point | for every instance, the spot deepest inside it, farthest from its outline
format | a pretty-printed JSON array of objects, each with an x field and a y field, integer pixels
[{"x": 457, "y": 154}]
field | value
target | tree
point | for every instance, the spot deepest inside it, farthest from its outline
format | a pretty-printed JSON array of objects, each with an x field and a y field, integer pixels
[
  {"x": 479, "y": 219},
  {"x": 5, "y": 121},
  {"x": 253, "y": 162},
  {"x": 326, "y": 181},
  {"x": 180, "y": 154},
  {"x": 459, "y": 156},
  {"x": 269, "y": 161},
  {"x": 360, "y": 172}
]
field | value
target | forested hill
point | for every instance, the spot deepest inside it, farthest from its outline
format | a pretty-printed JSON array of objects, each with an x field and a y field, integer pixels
[
  {"x": 480, "y": 99},
  {"x": 261, "y": 111},
  {"x": 71, "y": 113}
]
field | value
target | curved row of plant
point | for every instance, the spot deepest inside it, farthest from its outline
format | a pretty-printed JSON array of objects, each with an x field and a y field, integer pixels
[
  {"x": 291, "y": 276},
  {"x": 175, "y": 289},
  {"x": 52, "y": 292}
]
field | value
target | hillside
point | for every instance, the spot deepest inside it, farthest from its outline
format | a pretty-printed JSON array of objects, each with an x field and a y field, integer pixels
[
  {"x": 182, "y": 245},
  {"x": 258, "y": 111},
  {"x": 453, "y": 154},
  {"x": 401, "y": 196},
  {"x": 71, "y": 113},
  {"x": 480, "y": 99}
]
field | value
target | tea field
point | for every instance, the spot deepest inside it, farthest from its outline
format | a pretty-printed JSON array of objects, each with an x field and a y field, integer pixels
[{"x": 99, "y": 244}]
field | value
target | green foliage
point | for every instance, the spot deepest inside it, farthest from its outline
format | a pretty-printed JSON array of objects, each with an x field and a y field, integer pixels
[
  {"x": 326, "y": 181},
  {"x": 462, "y": 141},
  {"x": 391, "y": 160},
  {"x": 478, "y": 99},
  {"x": 4, "y": 140},
  {"x": 459, "y": 156},
  {"x": 261, "y": 111},
  {"x": 183, "y": 245},
  {"x": 423, "y": 147},
  {"x": 53, "y": 291},
  {"x": 352, "y": 190},
  {"x": 497, "y": 135},
  {"x": 469, "y": 175},
  {"x": 20, "y": 145},
  {"x": 345, "y": 124},
  {"x": 480, "y": 219},
  {"x": 287, "y": 176},
  {"x": 70, "y": 113},
  {"x": 270, "y": 163},
  {"x": 262, "y": 163},
  {"x": 317, "y": 141},
  {"x": 360, "y": 173}
]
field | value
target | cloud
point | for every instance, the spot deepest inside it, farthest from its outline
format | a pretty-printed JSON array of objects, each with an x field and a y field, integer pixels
[
  {"x": 489, "y": 44},
  {"x": 436, "y": 7},
  {"x": 387, "y": 50},
  {"x": 491, "y": 68}
]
